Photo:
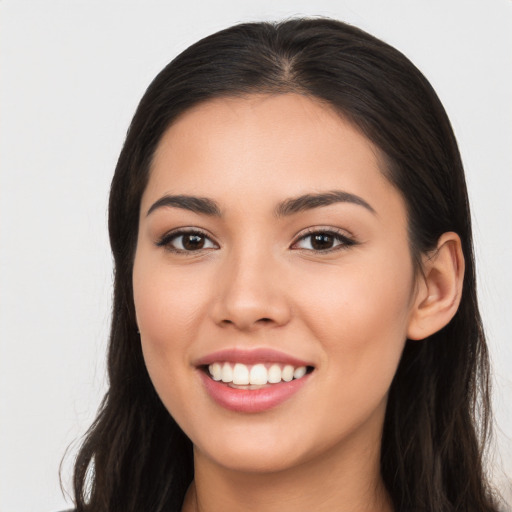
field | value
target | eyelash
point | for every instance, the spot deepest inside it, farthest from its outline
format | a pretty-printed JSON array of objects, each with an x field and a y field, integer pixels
[{"x": 344, "y": 241}]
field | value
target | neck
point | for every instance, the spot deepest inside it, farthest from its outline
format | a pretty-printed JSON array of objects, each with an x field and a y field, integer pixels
[{"x": 344, "y": 480}]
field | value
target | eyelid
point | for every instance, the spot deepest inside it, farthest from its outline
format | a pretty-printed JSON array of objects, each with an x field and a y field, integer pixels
[
  {"x": 342, "y": 236},
  {"x": 345, "y": 238},
  {"x": 165, "y": 240}
]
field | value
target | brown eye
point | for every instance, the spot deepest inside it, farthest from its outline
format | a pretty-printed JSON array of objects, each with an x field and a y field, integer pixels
[
  {"x": 319, "y": 241},
  {"x": 186, "y": 241},
  {"x": 192, "y": 242},
  {"x": 322, "y": 241}
]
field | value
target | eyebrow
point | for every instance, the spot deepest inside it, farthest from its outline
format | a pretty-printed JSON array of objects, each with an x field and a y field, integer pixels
[
  {"x": 310, "y": 201},
  {"x": 206, "y": 206},
  {"x": 194, "y": 204}
]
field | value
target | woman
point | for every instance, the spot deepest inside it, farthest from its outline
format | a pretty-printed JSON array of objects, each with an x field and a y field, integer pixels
[{"x": 295, "y": 318}]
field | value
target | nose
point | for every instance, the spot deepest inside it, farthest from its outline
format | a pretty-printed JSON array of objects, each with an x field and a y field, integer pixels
[{"x": 251, "y": 294}]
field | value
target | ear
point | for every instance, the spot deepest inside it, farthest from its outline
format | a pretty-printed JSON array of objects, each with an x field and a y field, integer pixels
[{"x": 439, "y": 288}]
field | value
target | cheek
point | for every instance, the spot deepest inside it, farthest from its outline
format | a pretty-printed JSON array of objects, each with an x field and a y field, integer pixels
[
  {"x": 168, "y": 304},
  {"x": 361, "y": 319},
  {"x": 360, "y": 324},
  {"x": 168, "y": 307}
]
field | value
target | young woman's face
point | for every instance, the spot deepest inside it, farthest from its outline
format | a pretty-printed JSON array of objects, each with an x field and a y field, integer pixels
[{"x": 271, "y": 244}]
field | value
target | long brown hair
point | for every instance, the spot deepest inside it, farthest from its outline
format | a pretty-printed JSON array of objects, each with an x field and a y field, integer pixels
[{"x": 135, "y": 457}]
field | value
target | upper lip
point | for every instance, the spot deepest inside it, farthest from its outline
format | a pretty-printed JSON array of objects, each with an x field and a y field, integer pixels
[{"x": 250, "y": 356}]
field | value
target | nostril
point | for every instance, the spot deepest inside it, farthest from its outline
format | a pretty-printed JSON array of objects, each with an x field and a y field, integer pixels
[{"x": 241, "y": 324}]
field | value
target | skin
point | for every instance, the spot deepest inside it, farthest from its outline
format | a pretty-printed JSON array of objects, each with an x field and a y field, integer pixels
[{"x": 257, "y": 282}]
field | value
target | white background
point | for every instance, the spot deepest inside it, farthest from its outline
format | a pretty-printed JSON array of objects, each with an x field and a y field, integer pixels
[{"x": 72, "y": 73}]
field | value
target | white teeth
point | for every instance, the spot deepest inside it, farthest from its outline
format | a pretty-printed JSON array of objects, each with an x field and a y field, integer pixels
[
  {"x": 299, "y": 372},
  {"x": 257, "y": 375},
  {"x": 287, "y": 373},
  {"x": 240, "y": 374},
  {"x": 274, "y": 374},
  {"x": 227, "y": 373},
  {"x": 216, "y": 371}
]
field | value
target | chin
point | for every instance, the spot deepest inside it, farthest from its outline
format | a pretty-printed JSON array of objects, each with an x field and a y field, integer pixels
[
  {"x": 254, "y": 459},
  {"x": 267, "y": 447}
]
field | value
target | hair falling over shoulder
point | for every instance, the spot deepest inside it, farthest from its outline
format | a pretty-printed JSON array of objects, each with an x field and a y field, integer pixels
[{"x": 134, "y": 456}]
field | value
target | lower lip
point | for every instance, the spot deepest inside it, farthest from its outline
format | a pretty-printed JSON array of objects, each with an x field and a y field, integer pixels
[{"x": 252, "y": 401}]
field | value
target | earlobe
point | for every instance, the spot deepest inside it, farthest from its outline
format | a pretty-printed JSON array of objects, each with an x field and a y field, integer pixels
[{"x": 439, "y": 288}]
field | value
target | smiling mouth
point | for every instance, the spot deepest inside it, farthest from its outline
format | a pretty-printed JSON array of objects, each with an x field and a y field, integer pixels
[{"x": 254, "y": 376}]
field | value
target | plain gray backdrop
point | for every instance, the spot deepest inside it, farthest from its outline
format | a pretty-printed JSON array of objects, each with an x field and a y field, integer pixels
[{"x": 72, "y": 73}]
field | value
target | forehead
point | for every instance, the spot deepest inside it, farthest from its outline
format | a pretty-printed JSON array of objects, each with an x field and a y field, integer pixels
[{"x": 274, "y": 145}]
